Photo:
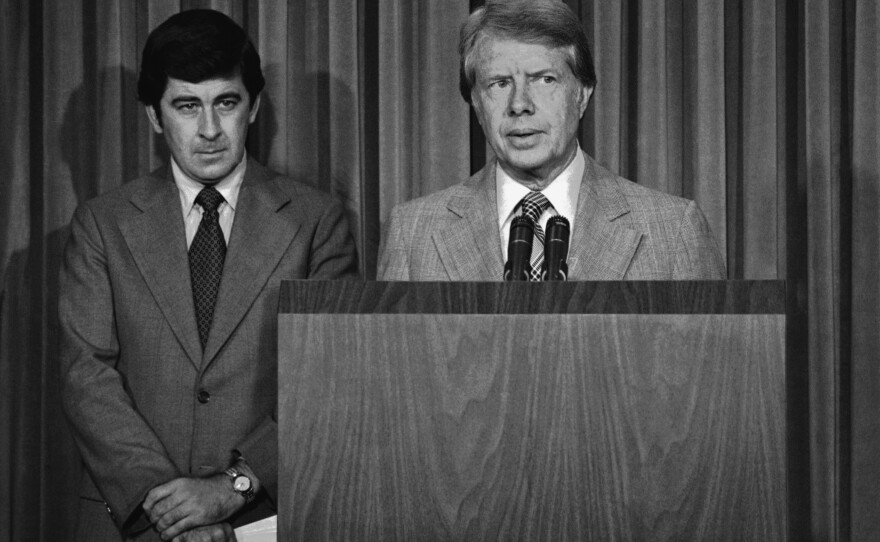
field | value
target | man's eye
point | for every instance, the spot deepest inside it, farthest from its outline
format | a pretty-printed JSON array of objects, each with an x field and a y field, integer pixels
[
  {"x": 189, "y": 108},
  {"x": 548, "y": 79},
  {"x": 227, "y": 105},
  {"x": 499, "y": 84}
]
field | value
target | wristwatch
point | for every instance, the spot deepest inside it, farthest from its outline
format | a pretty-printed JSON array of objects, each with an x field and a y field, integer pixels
[{"x": 241, "y": 483}]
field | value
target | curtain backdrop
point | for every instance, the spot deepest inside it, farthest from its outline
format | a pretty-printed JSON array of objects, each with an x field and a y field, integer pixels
[{"x": 764, "y": 112}]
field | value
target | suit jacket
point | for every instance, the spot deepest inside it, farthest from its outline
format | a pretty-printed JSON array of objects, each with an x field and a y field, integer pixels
[
  {"x": 146, "y": 404},
  {"x": 622, "y": 231}
]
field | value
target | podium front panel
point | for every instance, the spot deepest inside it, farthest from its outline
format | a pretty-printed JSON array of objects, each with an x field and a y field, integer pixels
[{"x": 560, "y": 426}]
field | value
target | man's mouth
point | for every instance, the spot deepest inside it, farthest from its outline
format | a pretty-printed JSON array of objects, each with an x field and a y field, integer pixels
[
  {"x": 522, "y": 132},
  {"x": 523, "y": 138}
]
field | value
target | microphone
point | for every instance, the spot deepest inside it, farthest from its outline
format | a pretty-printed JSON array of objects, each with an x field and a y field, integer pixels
[
  {"x": 556, "y": 249},
  {"x": 519, "y": 249}
]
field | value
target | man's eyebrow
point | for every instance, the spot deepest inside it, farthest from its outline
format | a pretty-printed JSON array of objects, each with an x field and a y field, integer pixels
[
  {"x": 189, "y": 98},
  {"x": 495, "y": 76},
  {"x": 543, "y": 72},
  {"x": 185, "y": 98},
  {"x": 231, "y": 95}
]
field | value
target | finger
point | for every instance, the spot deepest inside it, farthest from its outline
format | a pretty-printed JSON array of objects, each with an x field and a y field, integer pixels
[
  {"x": 190, "y": 536},
  {"x": 210, "y": 533},
  {"x": 158, "y": 493},
  {"x": 168, "y": 505},
  {"x": 223, "y": 532},
  {"x": 170, "y": 517},
  {"x": 173, "y": 529}
]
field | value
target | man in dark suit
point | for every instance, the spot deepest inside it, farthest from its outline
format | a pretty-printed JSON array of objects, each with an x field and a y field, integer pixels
[
  {"x": 169, "y": 293},
  {"x": 527, "y": 70}
]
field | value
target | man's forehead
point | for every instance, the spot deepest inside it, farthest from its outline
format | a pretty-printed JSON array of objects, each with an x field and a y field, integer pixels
[
  {"x": 500, "y": 52},
  {"x": 206, "y": 90}
]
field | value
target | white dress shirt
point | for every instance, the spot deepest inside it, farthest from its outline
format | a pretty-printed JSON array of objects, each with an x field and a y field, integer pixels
[
  {"x": 192, "y": 212},
  {"x": 562, "y": 193}
]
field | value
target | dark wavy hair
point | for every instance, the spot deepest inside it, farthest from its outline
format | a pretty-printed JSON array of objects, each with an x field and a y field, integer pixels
[
  {"x": 550, "y": 23},
  {"x": 194, "y": 46}
]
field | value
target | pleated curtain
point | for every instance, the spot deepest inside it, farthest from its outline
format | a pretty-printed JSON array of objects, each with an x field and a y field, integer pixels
[{"x": 764, "y": 112}]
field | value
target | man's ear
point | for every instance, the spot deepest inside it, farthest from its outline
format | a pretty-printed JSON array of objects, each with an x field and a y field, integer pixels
[
  {"x": 155, "y": 119},
  {"x": 254, "y": 108},
  {"x": 584, "y": 99},
  {"x": 477, "y": 105}
]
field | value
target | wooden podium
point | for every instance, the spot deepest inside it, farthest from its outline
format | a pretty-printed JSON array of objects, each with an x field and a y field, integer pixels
[{"x": 516, "y": 411}]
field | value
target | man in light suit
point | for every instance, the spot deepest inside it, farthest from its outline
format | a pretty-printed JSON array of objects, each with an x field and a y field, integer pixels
[
  {"x": 169, "y": 294},
  {"x": 527, "y": 70}
]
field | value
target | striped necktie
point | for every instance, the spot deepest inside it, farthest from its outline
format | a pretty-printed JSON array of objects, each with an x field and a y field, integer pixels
[{"x": 533, "y": 205}]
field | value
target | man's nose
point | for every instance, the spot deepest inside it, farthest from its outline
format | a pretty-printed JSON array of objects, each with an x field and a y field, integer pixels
[
  {"x": 521, "y": 100},
  {"x": 209, "y": 125}
]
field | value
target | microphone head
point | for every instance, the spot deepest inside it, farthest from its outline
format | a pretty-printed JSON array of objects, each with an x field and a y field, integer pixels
[
  {"x": 519, "y": 249},
  {"x": 522, "y": 229},
  {"x": 558, "y": 228}
]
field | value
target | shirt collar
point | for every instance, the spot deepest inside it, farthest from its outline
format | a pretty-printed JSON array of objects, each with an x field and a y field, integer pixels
[
  {"x": 189, "y": 188},
  {"x": 562, "y": 192}
]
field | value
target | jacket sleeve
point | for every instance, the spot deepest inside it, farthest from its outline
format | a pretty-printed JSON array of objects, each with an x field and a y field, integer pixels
[
  {"x": 332, "y": 255},
  {"x": 393, "y": 261},
  {"x": 697, "y": 257},
  {"x": 120, "y": 451}
]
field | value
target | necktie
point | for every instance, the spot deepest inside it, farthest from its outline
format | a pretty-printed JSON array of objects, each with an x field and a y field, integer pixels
[
  {"x": 533, "y": 206},
  {"x": 206, "y": 255}
]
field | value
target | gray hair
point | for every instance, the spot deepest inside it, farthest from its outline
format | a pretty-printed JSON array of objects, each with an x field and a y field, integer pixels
[{"x": 550, "y": 23}]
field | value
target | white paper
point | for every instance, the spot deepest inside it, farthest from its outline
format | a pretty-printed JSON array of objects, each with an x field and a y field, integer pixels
[{"x": 265, "y": 530}]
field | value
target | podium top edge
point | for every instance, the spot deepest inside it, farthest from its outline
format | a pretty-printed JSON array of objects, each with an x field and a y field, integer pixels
[{"x": 590, "y": 297}]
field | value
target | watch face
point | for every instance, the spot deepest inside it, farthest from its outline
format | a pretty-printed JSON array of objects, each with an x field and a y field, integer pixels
[{"x": 241, "y": 483}]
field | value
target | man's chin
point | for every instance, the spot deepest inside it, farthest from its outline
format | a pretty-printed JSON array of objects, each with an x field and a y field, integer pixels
[
  {"x": 211, "y": 175},
  {"x": 528, "y": 161},
  {"x": 212, "y": 172}
]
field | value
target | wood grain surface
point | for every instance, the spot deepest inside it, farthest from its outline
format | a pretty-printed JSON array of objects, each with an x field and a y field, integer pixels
[
  {"x": 595, "y": 297},
  {"x": 532, "y": 427}
]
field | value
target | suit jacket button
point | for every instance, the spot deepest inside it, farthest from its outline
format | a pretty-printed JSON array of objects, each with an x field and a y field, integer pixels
[{"x": 204, "y": 396}]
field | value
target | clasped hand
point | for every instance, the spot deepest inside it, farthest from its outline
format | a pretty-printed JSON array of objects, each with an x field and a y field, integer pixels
[
  {"x": 189, "y": 503},
  {"x": 219, "y": 532}
]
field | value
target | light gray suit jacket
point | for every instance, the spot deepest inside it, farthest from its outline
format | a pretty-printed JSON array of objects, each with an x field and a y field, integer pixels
[
  {"x": 132, "y": 368},
  {"x": 622, "y": 231}
]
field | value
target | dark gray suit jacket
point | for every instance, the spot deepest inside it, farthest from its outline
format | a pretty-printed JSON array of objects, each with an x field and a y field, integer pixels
[
  {"x": 622, "y": 231},
  {"x": 132, "y": 367}
]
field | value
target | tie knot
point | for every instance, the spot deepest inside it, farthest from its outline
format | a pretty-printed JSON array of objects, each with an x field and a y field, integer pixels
[
  {"x": 209, "y": 198},
  {"x": 533, "y": 205}
]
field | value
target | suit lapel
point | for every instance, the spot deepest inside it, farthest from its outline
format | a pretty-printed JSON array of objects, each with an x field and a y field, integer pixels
[
  {"x": 260, "y": 238},
  {"x": 601, "y": 249},
  {"x": 462, "y": 245},
  {"x": 157, "y": 241}
]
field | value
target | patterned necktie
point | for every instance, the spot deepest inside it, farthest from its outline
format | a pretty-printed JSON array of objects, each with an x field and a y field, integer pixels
[
  {"x": 533, "y": 206},
  {"x": 206, "y": 255}
]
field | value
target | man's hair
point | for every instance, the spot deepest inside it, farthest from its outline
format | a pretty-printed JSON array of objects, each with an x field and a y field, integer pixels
[
  {"x": 194, "y": 46},
  {"x": 550, "y": 23}
]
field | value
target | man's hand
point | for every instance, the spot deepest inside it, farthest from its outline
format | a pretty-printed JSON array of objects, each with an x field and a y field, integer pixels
[
  {"x": 219, "y": 532},
  {"x": 186, "y": 503}
]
